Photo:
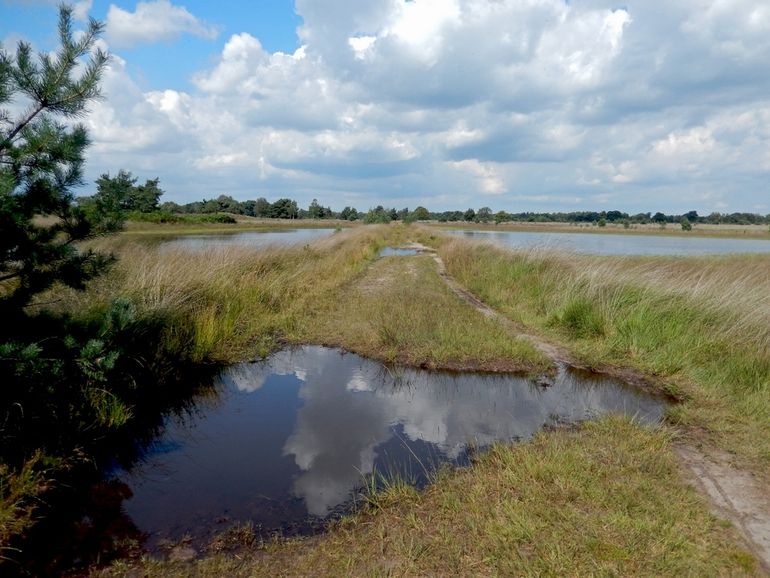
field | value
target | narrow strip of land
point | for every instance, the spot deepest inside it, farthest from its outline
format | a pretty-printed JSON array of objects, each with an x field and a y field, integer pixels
[{"x": 733, "y": 494}]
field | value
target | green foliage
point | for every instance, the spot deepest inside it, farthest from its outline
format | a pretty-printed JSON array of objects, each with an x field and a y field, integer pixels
[
  {"x": 484, "y": 215},
  {"x": 41, "y": 158},
  {"x": 283, "y": 209},
  {"x": 316, "y": 211},
  {"x": 581, "y": 318},
  {"x": 602, "y": 222},
  {"x": 155, "y": 217},
  {"x": 686, "y": 225},
  {"x": 116, "y": 196},
  {"x": 421, "y": 214},
  {"x": 377, "y": 215},
  {"x": 211, "y": 218},
  {"x": 349, "y": 214},
  {"x": 166, "y": 217},
  {"x": 501, "y": 217}
]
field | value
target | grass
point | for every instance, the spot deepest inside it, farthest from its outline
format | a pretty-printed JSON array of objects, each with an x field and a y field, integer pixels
[
  {"x": 701, "y": 326},
  {"x": 245, "y": 303},
  {"x": 605, "y": 499},
  {"x": 18, "y": 492},
  {"x": 400, "y": 310}
]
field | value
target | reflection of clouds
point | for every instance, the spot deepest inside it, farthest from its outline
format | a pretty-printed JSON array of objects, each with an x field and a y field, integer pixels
[
  {"x": 249, "y": 377},
  {"x": 358, "y": 383},
  {"x": 350, "y": 407}
]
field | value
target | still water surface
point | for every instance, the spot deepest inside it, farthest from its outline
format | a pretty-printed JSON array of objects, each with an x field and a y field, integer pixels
[
  {"x": 397, "y": 252},
  {"x": 257, "y": 239},
  {"x": 288, "y": 440},
  {"x": 609, "y": 244}
]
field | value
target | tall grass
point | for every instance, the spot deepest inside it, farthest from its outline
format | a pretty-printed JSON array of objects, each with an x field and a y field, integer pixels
[
  {"x": 702, "y": 325},
  {"x": 239, "y": 301}
]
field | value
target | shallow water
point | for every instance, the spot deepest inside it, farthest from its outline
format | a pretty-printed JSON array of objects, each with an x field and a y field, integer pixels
[
  {"x": 289, "y": 440},
  {"x": 397, "y": 252},
  {"x": 257, "y": 239},
  {"x": 625, "y": 244}
]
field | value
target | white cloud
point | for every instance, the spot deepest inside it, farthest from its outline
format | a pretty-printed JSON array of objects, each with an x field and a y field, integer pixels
[
  {"x": 541, "y": 103},
  {"x": 361, "y": 45},
  {"x": 153, "y": 21},
  {"x": 81, "y": 9}
]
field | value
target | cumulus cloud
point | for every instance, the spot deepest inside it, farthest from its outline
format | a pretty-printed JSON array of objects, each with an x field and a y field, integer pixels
[
  {"x": 154, "y": 21},
  {"x": 541, "y": 104}
]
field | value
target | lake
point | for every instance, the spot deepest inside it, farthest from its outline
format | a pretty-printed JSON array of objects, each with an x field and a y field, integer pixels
[
  {"x": 626, "y": 244},
  {"x": 288, "y": 441},
  {"x": 255, "y": 239}
]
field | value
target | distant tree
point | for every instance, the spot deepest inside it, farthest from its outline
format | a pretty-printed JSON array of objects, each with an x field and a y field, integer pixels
[
  {"x": 248, "y": 208},
  {"x": 501, "y": 217},
  {"x": 315, "y": 211},
  {"x": 602, "y": 222},
  {"x": 226, "y": 204},
  {"x": 686, "y": 224},
  {"x": 121, "y": 193},
  {"x": 691, "y": 216},
  {"x": 171, "y": 207},
  {"x": 402, "y": 214},
  {"x": 484, "y": 215},
  {"x": 145, "y": 198},
  {"x": 283, "y": 209},
  {"x": 349, "y": 214},
  {"x": 377, "y": 215},
  {"x": 469, "y": 215},
  {"x": 421, "y": 214},
  {"x": 659, "y": 217},
  {"x": 261, "y": 207}
]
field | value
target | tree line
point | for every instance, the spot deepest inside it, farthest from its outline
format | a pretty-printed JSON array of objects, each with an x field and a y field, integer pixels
[{"x": 121, "y": 193}]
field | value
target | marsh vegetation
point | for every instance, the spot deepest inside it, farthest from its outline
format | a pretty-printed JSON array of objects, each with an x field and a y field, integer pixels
[{"x": 695, "y": 328}]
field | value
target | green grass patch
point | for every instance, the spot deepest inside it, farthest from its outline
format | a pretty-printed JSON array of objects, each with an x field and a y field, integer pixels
[{"x": 401, "y": 310}]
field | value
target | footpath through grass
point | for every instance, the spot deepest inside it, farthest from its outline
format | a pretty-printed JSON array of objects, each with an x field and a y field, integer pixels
[
  {"x": 401, "y": 311},
  {"x": 701, "y": 326}
]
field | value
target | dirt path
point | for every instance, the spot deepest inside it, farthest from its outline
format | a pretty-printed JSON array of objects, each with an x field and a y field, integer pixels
[
  {"x": 555, "y": 353},
  {"x": 733, "y": 494}
]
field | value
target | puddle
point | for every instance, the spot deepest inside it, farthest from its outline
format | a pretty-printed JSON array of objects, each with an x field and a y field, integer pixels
[
  {"x": 289, "y": 439},
  {"x": 397, "y": 252}
]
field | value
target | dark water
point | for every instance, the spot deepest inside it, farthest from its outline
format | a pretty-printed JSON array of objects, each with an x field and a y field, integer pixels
[
  {"x": 289, "y": 440},
  {"x": 255, "y": 239},
  {"x": 397, "y": 252},
  {"x": 609, "y": 244}
]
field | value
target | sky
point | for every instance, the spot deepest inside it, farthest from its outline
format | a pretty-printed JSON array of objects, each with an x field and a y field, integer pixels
[{"x": 517, "y": 105}]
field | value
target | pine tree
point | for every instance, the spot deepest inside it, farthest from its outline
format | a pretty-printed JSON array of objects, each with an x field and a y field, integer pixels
[{"x": 41, "y": 161}]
